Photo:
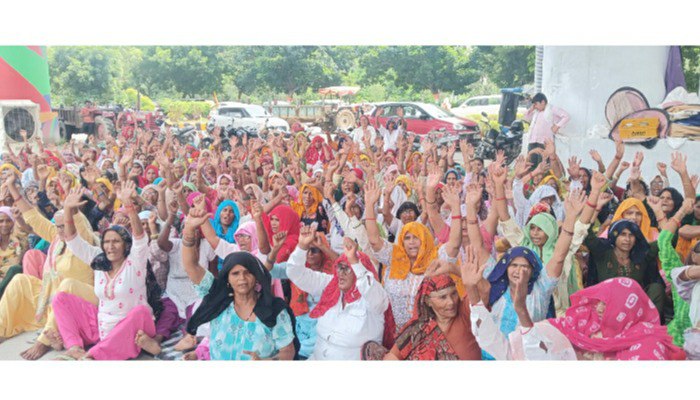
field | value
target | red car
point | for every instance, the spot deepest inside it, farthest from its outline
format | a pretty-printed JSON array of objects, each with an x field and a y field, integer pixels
[{"x": 422, "y": 118}]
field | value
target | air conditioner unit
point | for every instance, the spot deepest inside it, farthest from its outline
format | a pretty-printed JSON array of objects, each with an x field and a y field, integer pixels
[{"x": 16, "y": 115}]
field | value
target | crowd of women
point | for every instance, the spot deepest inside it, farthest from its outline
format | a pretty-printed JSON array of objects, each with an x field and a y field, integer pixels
[{"x": 345, "y": 247}]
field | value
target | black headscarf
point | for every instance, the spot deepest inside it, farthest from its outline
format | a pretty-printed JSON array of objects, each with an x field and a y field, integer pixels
[
  {"x": 219, "y": 297},
  {"x": 153, "y": 290}
]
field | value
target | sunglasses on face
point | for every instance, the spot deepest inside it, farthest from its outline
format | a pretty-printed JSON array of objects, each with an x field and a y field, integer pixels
[{"x": 343, "y": 269}]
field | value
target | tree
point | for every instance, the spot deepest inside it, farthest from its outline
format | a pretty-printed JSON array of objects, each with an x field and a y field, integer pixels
[
  {"x": 435, "y": 68},
  {"x": 79, "y": 73},
  {"x": 293, "y": 69},
  {"x": 691, "y": 67},
  {"x": 506, "y": 66}
]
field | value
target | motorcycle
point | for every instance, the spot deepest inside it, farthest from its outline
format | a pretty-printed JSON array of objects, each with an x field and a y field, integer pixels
[{"x": 508, "y": 139}]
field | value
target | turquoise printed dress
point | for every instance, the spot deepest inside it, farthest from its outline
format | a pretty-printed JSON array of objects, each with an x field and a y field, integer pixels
[{"x": 230, "y": 335}]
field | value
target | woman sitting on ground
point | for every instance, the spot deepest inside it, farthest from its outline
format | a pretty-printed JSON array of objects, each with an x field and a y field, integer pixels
[
  {"x": 123, "y": 314},
  {"x": 440, "y": 328},
  {"x": 407, "y": 260},
  {"x": 247, "y": 321},
  {"x": 353, "y": 305}
]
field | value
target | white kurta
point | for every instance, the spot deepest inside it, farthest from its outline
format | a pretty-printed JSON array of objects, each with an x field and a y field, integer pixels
[{"x": 342, "y": 331}]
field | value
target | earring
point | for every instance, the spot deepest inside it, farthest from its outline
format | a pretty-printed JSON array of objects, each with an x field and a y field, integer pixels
[{"x": 230, "y": 294}]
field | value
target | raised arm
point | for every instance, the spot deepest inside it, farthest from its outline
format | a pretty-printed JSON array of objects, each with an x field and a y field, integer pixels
[
  {"x": 679, "y": 164},
  {"x": 619, "y": 153},
  {"x": 573, "y": 206},
  {"x": 189, "y": 252},
  {"x": 451, "y": 196},
  {"x": 126, "y": 194},
  {"x": 372, "y": 291},
  {"x": 591, "y": 207},
  {"x": 164, "y": 242},
  {"x": 263, "y": 241},
  {"x": 371, "y": 198},
  {"x": 436, "y": 221}
]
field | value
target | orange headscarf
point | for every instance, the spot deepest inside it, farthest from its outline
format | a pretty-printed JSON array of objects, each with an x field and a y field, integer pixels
[
  {"x": 645, "y": 226},
  {"x": 299, "y": 206},
  {"x": 400, "y": 264}
]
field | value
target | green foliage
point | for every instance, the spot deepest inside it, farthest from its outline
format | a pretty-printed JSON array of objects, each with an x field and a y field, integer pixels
[
  {"x": 264, "y": 73},
  {"x": 691, "y": 67},
  {"x": 506, "y": 66},
  {"x": 128, "y": 99},
  {"x": 79, "y": 73},
  {"x": 185, "y": 110}
]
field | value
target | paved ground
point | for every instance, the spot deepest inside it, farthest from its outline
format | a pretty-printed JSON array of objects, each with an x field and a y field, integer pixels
[{"x": 10, "y": 349}]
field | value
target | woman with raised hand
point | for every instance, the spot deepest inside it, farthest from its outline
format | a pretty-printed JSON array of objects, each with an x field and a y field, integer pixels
[
  {"x": 123, "y": 312},
  {"x": 407, "y": 260},
  {"x": 247, "y": 321},
  {"x": 542, "y": 281},
  {"x": 352, "y": 307},
  {"x": 27, "y": 302},
  {"x": 541, "y": 232},
  {"x": 440, "y": 328}
]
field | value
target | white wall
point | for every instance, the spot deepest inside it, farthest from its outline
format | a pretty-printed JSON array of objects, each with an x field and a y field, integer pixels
[{"x": 580, "y": 79}]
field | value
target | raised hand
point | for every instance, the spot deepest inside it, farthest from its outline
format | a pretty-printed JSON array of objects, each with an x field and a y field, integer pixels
[
  {"x": 662, "y": 168},
  {"x": 595, "y": 156},
  {"x": 694, "y": 180},
  {"x": 598, "y": 181},
  {"x": 434, "y": 178},
  {"x": 635, "y": 173},
  {"x": 42, "y": 171},
  {"x": 623, "y": 166},
  {"x": 470, "y": 269},
  {"x": 350, "y": 250},
  {"x": 574, "y": 167},
  {"x": 543, "y": 168},
  {"x": 521, "y": 280},
  {"x": 500, "y": 157},
  {"x": 306, "y": 236},
  {"x": 604, "y": 199},
  {"x": 474, "y": 195},
  {"x": 638, "y": 158},
  {"x": 127, "y": 192},
  {"x": 256, "y": 210},
  {"x": 278, "y": 240},
  {"x": 196, "y": 218},
  {"x": 451, "y": 196},
  {"x": 655, "y": 204},
  {"x": 573, "y": 205},
  {"x": 521, "y": 166},
  {"x": 678, "y": 162},
  {"x": 498, "y": 173},
  {"x": 328, "y": 190},
  {"x": 73, "y": 199},
  {"x": 372, "y": 193}
]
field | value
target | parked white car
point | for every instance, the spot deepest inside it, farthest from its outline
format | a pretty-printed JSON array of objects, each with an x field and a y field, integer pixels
[
  {"x": 476, "y": 105},
  {"x": 249, "y": 116}
]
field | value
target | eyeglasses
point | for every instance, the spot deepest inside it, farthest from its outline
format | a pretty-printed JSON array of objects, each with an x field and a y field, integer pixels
[
  {"x": 343, "y": 269},
  {"x": 314, "y": 250}
]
